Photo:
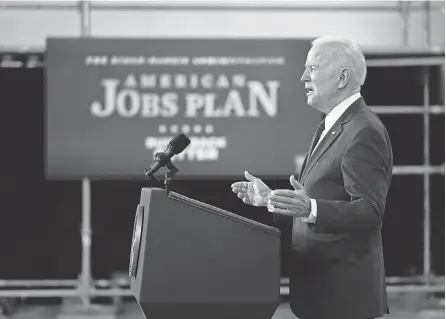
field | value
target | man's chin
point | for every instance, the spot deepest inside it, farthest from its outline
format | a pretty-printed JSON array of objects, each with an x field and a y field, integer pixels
[{"x": 310, "y": 101}]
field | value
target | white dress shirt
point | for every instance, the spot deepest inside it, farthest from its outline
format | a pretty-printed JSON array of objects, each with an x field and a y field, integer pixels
[{"x": 330, "y": 120}]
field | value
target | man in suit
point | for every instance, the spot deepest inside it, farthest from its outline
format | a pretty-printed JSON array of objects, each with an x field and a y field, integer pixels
[{"x": 337, "y": 205}]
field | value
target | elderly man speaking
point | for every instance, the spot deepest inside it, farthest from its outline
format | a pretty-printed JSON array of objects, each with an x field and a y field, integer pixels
[{"x": 337, "y": 204}]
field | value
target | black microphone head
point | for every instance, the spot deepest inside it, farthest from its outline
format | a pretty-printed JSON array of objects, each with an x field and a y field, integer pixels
[{"x": 179, "y": 143}]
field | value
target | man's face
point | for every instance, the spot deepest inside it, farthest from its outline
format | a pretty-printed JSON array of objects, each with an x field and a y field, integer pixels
[{"x": 320, "y": 79}]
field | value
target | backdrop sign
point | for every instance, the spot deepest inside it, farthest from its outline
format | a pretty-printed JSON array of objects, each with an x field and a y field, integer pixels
[{"x": 113, "y": 103}]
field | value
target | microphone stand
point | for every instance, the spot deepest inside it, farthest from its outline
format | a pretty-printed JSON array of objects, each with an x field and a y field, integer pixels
[{"x": 168, "y": 177}]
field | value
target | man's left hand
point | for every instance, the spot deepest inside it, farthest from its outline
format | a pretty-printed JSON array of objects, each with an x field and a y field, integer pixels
[{"x": 295, "y": 203}]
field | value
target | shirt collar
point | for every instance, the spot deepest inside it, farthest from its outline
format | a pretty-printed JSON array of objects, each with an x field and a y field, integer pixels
[{"x": 339, "y": 109}]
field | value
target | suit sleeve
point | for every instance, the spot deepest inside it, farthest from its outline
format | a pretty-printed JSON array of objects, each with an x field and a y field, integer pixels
[
  {"x": 281, "y": 219},
  {"x": 366, "y": 169}
]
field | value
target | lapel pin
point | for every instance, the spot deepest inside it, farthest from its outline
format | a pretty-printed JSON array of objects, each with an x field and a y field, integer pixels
[{"x": 333, "y": 133}]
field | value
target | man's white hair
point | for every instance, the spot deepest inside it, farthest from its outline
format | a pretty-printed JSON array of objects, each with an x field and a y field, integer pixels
[{"x": 345, "y": 53}]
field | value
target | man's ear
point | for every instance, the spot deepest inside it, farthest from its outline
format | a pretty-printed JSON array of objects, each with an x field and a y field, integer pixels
[{"x": 343, "y": 78}]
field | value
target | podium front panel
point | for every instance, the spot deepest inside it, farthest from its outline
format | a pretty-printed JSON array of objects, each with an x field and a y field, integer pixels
[{"x": 197, "y": 259}]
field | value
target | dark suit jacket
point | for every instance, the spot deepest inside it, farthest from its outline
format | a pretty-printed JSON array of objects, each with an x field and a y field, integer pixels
[{"x": 337, "y": 263}]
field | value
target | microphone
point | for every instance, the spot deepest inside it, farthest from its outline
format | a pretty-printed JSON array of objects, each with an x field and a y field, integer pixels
[{"x": 175, "y": 146}]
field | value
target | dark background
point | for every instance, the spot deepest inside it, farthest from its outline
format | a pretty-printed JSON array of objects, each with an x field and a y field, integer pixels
[{"x": 41, "y": 220}]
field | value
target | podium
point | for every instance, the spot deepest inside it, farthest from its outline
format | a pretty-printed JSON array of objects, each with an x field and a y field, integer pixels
[{"x": 192, "y": 260}]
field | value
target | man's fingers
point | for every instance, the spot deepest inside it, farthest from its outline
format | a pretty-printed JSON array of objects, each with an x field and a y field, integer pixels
[
  {"x": 280, "y": 204},
  {"x": 249, "y": 177},
  {"x": 240, "y": 187},
  {"x": 281, "y": 211},
  {"x": 237, "y": 189},
  {"x": 283, "y": 192},
  {"x": 237, "y": 184},
  {"x": 241, "y": 195},
  {"x": 295, "y": 183}
]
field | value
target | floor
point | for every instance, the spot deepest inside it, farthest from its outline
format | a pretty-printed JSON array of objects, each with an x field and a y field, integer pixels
[{"x": 402, "y": 307}]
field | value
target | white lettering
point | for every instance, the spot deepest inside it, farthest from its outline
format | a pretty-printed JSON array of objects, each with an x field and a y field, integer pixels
[
  {"x": 127, "y": 109},
  {"x": 150, "y": 105},
  {"x": 222, "y": 82},
  {"x": 181, "y": 81},
  {"x": 109, "y": 104},
  {"x": 269, "y": 102},
  {"x": 193, "y": 103},
  {"x": 206, "y": 81},
  {"x": 234, "y": 103},
  {"x": 148, "y": 81},
  {"x": 209, "y": 109},
  {"x": 200, "y": 149},
  {"x": 170, "y": 106},
  {"x": 129, "y": 101},
  {"x": 165, "y": 81},
  {"x": 130, "y": 81}
]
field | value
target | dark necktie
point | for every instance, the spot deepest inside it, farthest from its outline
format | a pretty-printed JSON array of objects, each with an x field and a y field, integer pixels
[{"x": 317, "y": 136}]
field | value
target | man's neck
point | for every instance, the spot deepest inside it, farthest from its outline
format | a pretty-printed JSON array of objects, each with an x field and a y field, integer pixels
[{"x": 342, "y": 97}]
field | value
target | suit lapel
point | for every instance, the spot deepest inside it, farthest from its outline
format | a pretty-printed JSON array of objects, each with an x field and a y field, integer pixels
[
  {"x": 304, "y": 164},
  {"x": 330, "y": 137},
  {"x": 302, "y": 169},
  {"x": 322, "y": 147}
]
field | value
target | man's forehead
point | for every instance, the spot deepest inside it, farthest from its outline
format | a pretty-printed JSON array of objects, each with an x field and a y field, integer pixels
[
  {"x": 317, "y": 54},
  {"x": 313, "y": 58}
]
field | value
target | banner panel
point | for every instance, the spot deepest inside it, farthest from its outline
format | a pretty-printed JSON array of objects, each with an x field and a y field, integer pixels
[{"x": 113, "y": 103}]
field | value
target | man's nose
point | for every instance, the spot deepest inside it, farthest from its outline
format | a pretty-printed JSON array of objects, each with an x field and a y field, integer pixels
[{"x": 304, "y": 76}]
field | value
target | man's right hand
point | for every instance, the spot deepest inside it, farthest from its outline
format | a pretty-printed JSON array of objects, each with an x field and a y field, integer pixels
[{"x": 253, "y": 192}]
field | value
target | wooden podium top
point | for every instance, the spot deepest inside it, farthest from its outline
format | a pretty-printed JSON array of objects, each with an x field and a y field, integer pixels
[{"x": 224, "y": 213}]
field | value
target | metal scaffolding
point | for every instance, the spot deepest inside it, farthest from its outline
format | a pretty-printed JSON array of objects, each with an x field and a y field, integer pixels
[{"x": 85, "y": 287}]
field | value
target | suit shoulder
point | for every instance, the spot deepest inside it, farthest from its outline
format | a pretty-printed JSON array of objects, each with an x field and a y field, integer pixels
[
  {"x": 366, "y": 119},
  {"x": 366, "y": 124}
]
